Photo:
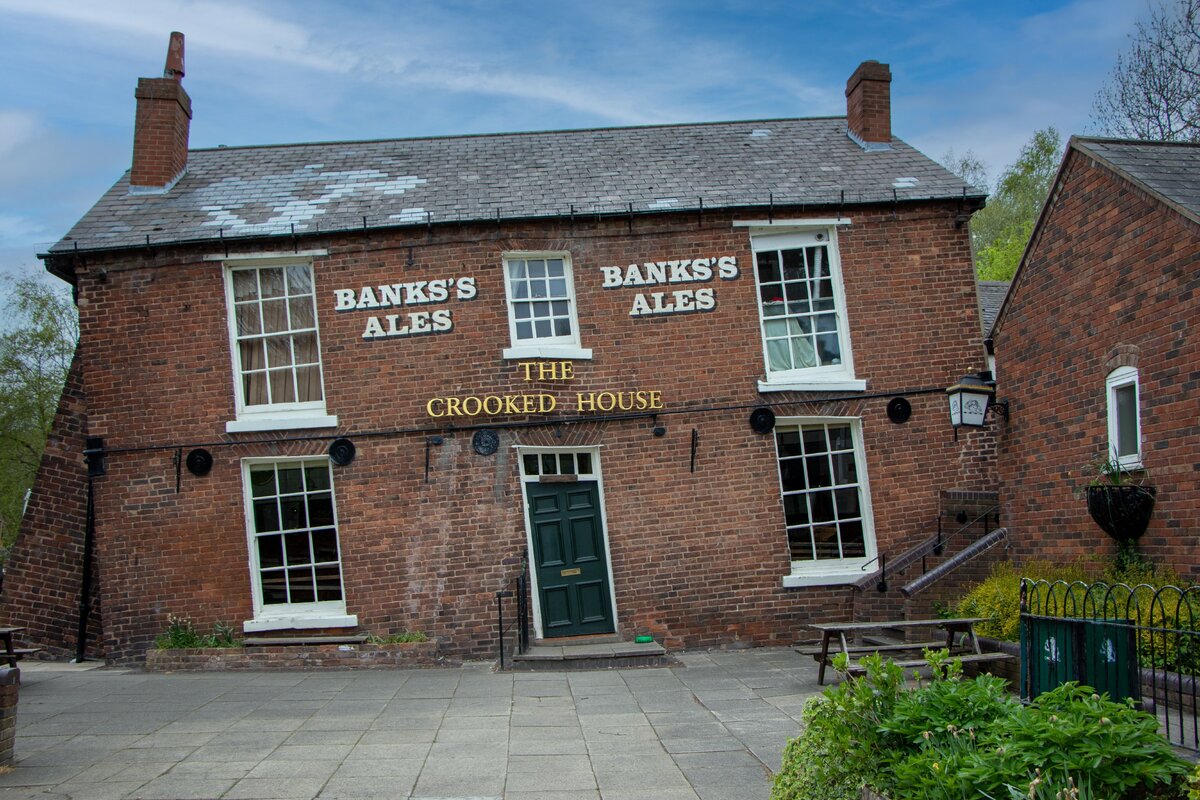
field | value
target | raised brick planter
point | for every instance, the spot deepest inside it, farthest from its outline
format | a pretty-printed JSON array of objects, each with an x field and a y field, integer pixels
[
  {"x": 364, "y": 656},
  {"x": 10, "y": 681}
]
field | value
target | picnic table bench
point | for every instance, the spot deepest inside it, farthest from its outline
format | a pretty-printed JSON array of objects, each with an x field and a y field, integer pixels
[
  {"x": 14, "y": 654},
  {"x": 968, "y": 651}
]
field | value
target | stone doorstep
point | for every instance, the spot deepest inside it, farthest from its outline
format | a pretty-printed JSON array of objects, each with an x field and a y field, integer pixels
[{"x": 592, "y": 654}]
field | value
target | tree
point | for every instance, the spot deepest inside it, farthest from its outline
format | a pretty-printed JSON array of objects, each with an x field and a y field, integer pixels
[
  {"x": 1001, "y": 230},
  {"x": 1154, "y": 89},
  {"x": 36, "y": 348}
]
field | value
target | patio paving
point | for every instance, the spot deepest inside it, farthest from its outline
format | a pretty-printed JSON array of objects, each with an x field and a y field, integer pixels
[{"x": 712, "y": 729}]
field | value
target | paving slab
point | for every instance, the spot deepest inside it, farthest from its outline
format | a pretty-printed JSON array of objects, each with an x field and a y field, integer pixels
[{"x": 711, "y": 729}]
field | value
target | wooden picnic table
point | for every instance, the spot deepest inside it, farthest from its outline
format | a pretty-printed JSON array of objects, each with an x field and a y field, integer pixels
[
  {"x": 13, "y": 654},
  {"x": 845, "y": 631}
]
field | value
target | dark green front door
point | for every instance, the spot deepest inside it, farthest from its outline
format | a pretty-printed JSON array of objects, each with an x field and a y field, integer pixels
[{"x": 569, "y": 556}]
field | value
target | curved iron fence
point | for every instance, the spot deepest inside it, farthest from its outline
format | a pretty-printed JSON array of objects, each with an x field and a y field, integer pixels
[{"x": 1131, "y": 641}]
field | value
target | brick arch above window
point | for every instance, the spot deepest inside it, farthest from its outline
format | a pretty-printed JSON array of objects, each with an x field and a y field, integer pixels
[{"x": 1123, "y": 355}]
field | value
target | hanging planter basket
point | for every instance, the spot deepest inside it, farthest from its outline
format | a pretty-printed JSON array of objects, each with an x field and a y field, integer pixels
[{"x": 1122, "y": 511}]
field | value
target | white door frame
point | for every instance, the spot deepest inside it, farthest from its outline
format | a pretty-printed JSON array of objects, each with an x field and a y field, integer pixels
[{"x": 594, "y": 452}]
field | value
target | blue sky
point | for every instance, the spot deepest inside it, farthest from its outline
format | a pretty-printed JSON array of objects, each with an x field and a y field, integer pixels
[{"x": 966, "y": 74}]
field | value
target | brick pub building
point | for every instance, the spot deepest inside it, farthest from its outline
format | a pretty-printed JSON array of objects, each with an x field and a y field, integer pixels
[{"x": 661, "y": 359}]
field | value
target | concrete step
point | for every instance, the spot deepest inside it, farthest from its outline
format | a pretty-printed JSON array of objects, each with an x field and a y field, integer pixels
[{"x": 592, "y": 654}]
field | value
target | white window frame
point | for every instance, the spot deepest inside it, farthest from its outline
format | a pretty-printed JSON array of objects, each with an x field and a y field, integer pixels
[
  {"x": 564, "y": 347},
  {"x": 1120, "y": 378},
  {"x": 833, "y": 377},
  {"x": 275, "y": 416},
  {"x": 831, "y": 572},
  {"x": 286, "y": 616}
]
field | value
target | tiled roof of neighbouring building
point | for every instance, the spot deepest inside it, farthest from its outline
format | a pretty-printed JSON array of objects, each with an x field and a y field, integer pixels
[
  {"x": 1169, "y": 169},
  {"x": 236, "y": 192},
  {"x": 991, "y": 297}
]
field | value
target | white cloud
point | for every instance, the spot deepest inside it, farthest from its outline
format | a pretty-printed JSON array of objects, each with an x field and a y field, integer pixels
[{"x": 230, "y": 27}]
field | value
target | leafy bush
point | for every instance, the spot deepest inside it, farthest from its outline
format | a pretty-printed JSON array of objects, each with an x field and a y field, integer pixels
[
  {"x": 839, "y": 747},
  {"x": 952, "y": 739},
  {"x": 999, "y": 596},
  {"x": 1074, "y": 732},
  {"x": 182, "y": 634}
]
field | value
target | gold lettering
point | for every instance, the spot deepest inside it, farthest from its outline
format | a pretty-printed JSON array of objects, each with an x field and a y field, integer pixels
[
  {"x": 655, "y": 399},
  {"x": 452, "y": 407},
  {"x": 585, "y": 402},
  {"x": 528, "y": 365},
  {"x": 487, "y": 405},
  {"x": 429, "y": 407},
  {"x": 527, "y": 404},
  {"x": 625, "y": 401},
  {"x": 642, "y": 402},
  {"x": 568, "y": 371},
  {"x": 600, "y": 401},
  {"x": 510, "y": 404},
  {"x": 466, "y": 406},
  {"x": 546, "y": 403}
]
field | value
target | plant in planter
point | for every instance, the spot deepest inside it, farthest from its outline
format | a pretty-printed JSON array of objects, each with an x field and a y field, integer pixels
[{"x": 1118, "y": 501}]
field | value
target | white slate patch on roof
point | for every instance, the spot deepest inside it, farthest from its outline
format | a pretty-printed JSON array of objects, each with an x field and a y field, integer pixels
[
  {"x": 409, "y": 215},
  {"x": 663, "y": 202},
  {"x": 289, "y": 199}
]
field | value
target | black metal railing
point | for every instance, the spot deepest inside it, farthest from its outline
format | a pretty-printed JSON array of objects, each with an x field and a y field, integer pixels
[
  {"x": 1140, "y": 642},
  {"x": 933, "y": 545},
  {"x": 519, "y": 589}
]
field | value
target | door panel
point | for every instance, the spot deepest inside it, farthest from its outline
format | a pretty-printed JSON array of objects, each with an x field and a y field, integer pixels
[{"x": 569, "y": 557}]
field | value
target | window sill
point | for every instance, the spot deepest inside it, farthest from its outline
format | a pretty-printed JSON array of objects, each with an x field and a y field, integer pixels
[
  {"x": 300, "y": 621},
  {"x": 830, "y": 384},
  {"x": 250, "y": 424},
  {"x": 564, "y": 351},
  {"x": 827, "y": 579}
]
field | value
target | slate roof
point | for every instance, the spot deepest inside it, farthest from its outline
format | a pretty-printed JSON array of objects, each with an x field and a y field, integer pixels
[
  {"x": 235, "y": 192},
  {"x": 1170, "y": 170},
  {"x": 991, "y": 297}
]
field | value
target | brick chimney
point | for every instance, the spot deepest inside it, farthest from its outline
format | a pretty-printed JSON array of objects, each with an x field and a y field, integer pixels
[
  {"x": 869, "y": 106},
  {"x": 160, "y": 136}
]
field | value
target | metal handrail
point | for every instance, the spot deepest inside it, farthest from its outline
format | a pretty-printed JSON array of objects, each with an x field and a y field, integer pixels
[
  {"x": 935, "y": 544},
  {"x": 519, "y": 590}
]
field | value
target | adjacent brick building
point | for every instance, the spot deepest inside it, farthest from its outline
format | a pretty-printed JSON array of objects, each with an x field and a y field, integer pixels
[
  {"x": 1096, "y": 353},
  {"x": 554, "y": 341}
]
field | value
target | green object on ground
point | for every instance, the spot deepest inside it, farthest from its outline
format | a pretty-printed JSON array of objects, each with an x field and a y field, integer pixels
[{"x": 644, "y": 639}]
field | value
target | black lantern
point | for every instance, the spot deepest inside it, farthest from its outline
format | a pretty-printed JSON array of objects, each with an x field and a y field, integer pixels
[{"x": 969, "y": 399}]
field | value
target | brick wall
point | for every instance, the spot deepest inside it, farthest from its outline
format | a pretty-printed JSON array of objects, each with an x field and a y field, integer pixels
[
  {"x": 160, "y": 134},
  {"x": 43, "y": 573},
  {"x": 697, "y": 558},
  {"x": 1112, "y": 279}
]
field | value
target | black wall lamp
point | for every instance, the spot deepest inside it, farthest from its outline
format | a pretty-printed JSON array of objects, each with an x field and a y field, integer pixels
[{"x": 970, "y": 400}]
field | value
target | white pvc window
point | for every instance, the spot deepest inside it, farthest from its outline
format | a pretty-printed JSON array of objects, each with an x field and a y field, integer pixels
[
  {"x": 826, "y": 502},
  {"x": 542, "y": 317},
  {"x": 1124, "y": 417}
]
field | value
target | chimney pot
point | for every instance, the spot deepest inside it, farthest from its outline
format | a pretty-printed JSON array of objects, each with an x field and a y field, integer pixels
[
  {"x": 174, "y": 67},
  {"x": 161, "y": 127},
  {"x": 869, "y": 106}
]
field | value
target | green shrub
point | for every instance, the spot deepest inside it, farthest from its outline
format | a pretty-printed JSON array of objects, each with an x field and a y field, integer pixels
[
  {"x": 999, "y": 596},
  {"x": 954, "y": 739},
  {"x": 838, "y": 750},
  {"x": 1072, "y": 731},
  {"x": 182, "y": 634}
]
